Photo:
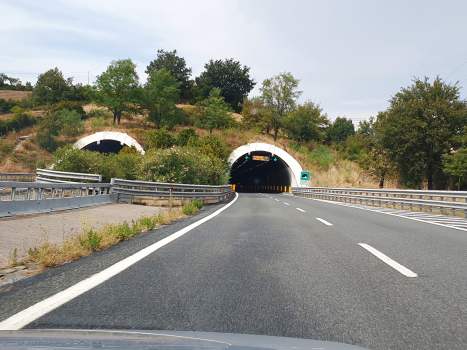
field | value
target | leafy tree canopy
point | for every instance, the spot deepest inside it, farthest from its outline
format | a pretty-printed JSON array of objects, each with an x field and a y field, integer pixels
[
  {"x": 160, "y": 94},
  {"x": 280, "y": 94},
  {"x": 422, "y": 123},
  {"x": 230, "y": 77},
  {"x": 306, "y": 123},
  {"x": 340, "y": 129},
  {"x": 117, "y": 88},
  {"x": 215, "y": 112},
  {"x": 175, "y": 65},
  {"x": 51, "y": 87}
]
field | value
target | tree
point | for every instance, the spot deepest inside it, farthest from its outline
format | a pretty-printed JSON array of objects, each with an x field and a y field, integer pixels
[
  {"x": 254, "y": 113},
  {"x": 280, "y": 94},
  {"x": 51, "y": 87},
  {"x": 215, "y": 112},
  {"x": 456, "y": 165},
  {"x": 340, "y": 129},
  {"x": 176, "y": 66},
  {"x": 117, "y": 87},
  {"x": 230, "y": 77},
  {"x": 306, "y": 123},
  {"x": 421, "y": 124},
  {"x": 160, "y": 95}
]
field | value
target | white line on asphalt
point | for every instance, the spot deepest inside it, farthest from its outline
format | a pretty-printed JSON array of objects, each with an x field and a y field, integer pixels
[
  {"x": 286, "y": 203},
  {"x": 324, "y": 221},
  {"x": 300, "y": 209},
  {"x": 403, "y": 270},
  {"x": 276, "y": 200},
  {"x": 38, "y": 310}
]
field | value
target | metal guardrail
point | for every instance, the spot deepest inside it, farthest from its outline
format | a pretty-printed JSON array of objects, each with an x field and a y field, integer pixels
[
  {"x": 128, "y": 189},
  {"x": 34, "y": 197},
  {"x": 17, "y": 177},
  {"x": 52, "y": 176},
  {"x": 450, "y": 201}
]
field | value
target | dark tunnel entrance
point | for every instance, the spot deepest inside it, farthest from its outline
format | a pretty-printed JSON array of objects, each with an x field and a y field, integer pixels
[
  {"x": 260, "y": 171},
  {"x": 104, "y": 146}
]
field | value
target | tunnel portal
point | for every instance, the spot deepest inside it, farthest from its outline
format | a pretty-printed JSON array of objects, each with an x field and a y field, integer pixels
[
  {"x": 104, "y": 146},
  {"x": 261, "y": 171},
  {"x": 107, "y": 142}
]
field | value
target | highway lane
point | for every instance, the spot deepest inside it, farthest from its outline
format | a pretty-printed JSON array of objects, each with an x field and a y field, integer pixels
[{"x": 265, "y": 267}]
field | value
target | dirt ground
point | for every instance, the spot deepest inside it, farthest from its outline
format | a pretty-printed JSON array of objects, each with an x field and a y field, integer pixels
[
  {"x": 30, "y": 231},
  {"x": 13, "y": 95}
]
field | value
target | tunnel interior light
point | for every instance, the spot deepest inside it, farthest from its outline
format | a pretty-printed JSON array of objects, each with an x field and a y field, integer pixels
[{"x": 246, "y": 157}]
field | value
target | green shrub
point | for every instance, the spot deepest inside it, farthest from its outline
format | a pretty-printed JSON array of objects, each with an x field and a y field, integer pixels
[
  {"x": 6, "y": 147},
  {"x": 72, "y": 124},
  {"x": 198, "y": 204},
  {"x": 213, "y": 147},
  {"x": 182, "y": 165},
  {"x": 123, "y": 232},
  {"x": 160, "y": 139},
  {"x": 128, "y": 150},
  {"x": 91, "y": 241},
  {"x": 150, "y": 223},
  {"x": 189, "y": 209},
  {"x": 184, "y": 135},
  {"x": 20, "y": 120},
  {"x": 70, "y": 106},
  {"x": 98, "y": 113},
  {"x": 97, "y": 123},
  {"x": 322, "y": 156},
  {"x": 7, "y": 105}
]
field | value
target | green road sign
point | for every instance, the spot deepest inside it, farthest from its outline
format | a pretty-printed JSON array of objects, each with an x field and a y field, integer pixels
[{"x": 305, "y": 176}]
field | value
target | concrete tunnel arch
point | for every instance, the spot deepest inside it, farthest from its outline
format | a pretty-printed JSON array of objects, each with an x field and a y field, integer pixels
[
  {"x": 293, "y": 168},
  {"x": 107, "y": 142}
]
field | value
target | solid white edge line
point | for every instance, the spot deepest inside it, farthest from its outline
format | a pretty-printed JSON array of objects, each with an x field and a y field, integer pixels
[
  {"x": 43, "y": 307},
  {"x": 324, "y": 221},
  {"x": 300, "y": 210},
  {"x": 394, "y": 264}
]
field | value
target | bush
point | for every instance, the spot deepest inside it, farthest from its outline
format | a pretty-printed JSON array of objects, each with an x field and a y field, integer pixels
[
  {"x": 72, "y": 124},
  {"x": 98, "y": 113},
  {"x": 160, "y": 139},
  {"x": 7, "y": 105},
  {"x": 189, "y": 209},
  {"x": 213, "y": 147},
  {"x": 70, "y": 106},
  {"x": 20, "y": 120},
  {"x": 198, "y": 204},
  {"x": 322, "y": 156},
  {"x": 6, "y": 147},
  {"x": 128, "y": 150},
  {"x": 91, "y": 241},
  {"x": 182, "y": 165},
  {"x": 183, "y": 137}
]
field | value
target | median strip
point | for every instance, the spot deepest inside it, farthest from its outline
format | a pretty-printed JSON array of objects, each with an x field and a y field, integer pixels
[{"x": 402, "y": 269}]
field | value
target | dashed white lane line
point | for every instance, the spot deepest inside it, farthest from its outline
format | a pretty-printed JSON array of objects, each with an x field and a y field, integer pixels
[
  {"x": 43, "y": 307},
  {"x": 286, "y": 203},
  {"x": 276, "y": 200},
  {"x": 324, "y": 221},
  {"x": 402, "y": 269},
  {"x": 300, "y": 210}
]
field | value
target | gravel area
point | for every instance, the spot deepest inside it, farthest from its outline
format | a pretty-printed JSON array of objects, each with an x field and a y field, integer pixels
[{"x": 30, "y": 231}]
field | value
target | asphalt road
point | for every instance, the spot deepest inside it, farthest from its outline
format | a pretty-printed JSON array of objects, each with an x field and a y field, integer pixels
[{"x": 268, "y": 266}]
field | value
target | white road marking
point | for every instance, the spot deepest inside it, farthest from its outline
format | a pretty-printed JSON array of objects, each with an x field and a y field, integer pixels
[
  {"x": 286, "y": 203},
  {"x": 300, "y": 210},
  {"x": 38, "y": 310},
  {"x": 276, "y": 200},
  {"x": 324, "y": 221},
  {"x": 428, "y": 219},
  {"x": 403, "y": 270}
]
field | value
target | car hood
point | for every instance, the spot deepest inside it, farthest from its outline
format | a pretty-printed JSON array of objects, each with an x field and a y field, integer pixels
[{"x": 146, "y": 340}]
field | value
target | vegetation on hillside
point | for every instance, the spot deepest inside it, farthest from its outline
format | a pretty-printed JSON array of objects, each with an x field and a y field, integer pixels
[{"x": 419, "y": 141}]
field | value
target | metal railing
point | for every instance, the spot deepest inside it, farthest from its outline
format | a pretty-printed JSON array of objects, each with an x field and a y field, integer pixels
[
  {"x": 444, "y": 201},
  {"x": 22, "y": 177},
  {"x": 127, "y": 189},
  {"x": 52, "y": 176}
]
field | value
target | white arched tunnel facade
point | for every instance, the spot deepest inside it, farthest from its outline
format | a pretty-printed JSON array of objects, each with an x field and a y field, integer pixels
[
  {"x": 242, "y": 164},
  {"x": 107, "y": 141}
]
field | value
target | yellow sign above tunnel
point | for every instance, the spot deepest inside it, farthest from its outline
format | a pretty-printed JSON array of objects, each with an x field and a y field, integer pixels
[{"x": 261, "y": 158}]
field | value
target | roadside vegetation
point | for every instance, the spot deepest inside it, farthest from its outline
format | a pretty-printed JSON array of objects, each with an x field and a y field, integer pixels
[
  {"x": 79, "y": 246},
  {"x": 188, "y": 126}
]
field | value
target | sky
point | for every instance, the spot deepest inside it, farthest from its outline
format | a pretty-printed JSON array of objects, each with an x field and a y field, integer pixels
[{"x": 351, "y": 56}]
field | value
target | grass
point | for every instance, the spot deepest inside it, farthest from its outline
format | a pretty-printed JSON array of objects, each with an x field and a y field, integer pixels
[{"x": 51, "y": 255}]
